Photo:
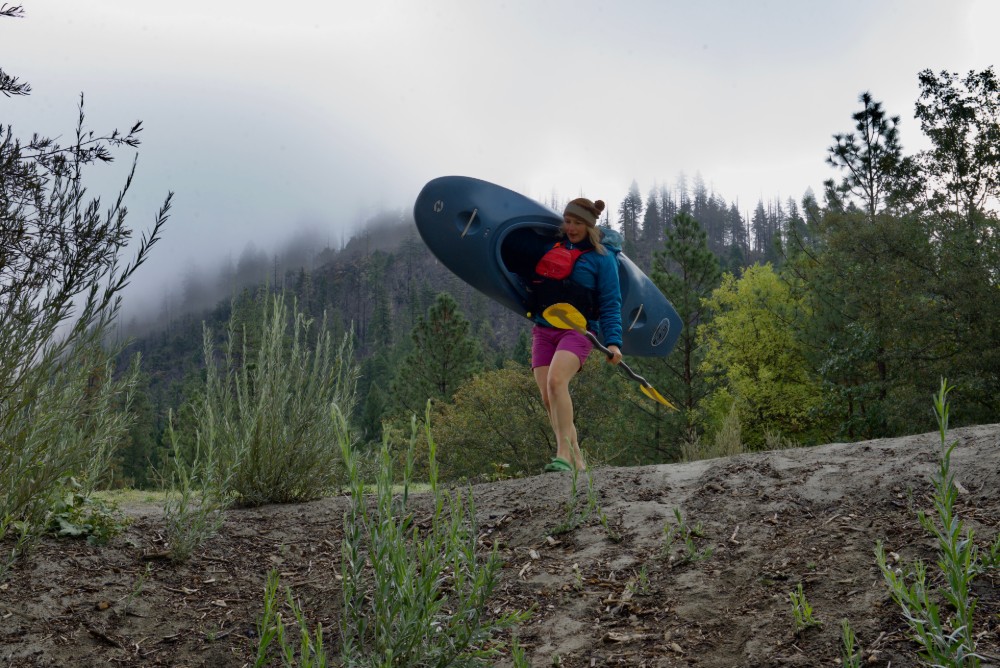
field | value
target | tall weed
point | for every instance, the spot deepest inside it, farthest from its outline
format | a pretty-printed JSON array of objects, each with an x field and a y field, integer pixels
[
  {"x": 61, "y": 277},
  {"x": 415, "y": 591},
  {"x": 727, "y": 441},
  {"x": 271, "y": 631},
  {"x": 193, "y": 511},
  {"x": 944, "y": 632},
  {"x": 850, "y": 652}
]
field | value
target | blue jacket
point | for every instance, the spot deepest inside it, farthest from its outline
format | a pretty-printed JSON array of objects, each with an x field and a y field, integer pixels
[{"x": 598, "y": 272}]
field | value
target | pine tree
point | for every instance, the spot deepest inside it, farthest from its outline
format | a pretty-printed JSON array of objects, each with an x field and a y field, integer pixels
[
  {"x": 707, "y": 212},
  {"x": 683, "y": 194},
  {"x": 738, "y": 240},
  {"x": 650, "y": 232},
  {"x": 652, "y": 222},
  {"x": 687, "y": 272},
  {"x": 759, "y": 228},
  {"x": 868, "y": 329},
  {"x": 443, "y": 357},
  {"x": 871, "y": 159},
  {"x": 629, "y": 215}
]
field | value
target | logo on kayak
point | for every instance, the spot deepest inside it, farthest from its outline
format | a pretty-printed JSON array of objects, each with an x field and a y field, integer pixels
[
  {"x": 438, "y": 206},
  {"x": 660, "y": 334}
]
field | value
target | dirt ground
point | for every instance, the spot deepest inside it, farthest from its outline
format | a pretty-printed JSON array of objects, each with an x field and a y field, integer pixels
[{"x": 773, "y": 521}]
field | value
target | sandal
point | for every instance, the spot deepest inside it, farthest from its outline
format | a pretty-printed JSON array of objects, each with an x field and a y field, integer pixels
[{"x": 558, "y": 464}]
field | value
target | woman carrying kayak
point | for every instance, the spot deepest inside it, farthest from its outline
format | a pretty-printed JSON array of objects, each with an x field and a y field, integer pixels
[{"x": 577, "y": 269}]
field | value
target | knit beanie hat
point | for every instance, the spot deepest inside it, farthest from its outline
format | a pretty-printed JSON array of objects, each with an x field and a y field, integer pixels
[{"x": 585, "y": 210}]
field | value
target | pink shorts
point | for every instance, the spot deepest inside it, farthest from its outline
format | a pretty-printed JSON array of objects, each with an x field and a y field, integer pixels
[{"x": 545, "y": 341}]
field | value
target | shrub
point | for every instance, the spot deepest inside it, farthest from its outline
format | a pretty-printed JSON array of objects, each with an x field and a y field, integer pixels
[
  {"x": 265, "y": 412},
  {"x": 61, "y": 279}
]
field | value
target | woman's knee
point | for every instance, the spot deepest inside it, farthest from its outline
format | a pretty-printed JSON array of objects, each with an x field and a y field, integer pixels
[{"x": 557, "y": 384}]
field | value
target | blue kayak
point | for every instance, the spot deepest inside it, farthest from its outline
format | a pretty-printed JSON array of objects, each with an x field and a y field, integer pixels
[{"x": 465, "y": 223}]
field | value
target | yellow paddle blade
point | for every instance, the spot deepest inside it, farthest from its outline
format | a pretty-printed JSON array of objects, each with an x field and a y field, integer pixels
[
  {"x": 565, "y": 316},
  {"x": 651, "y": 392}
]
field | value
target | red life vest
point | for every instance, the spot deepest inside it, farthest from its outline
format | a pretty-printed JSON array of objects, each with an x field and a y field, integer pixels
[
  {"x": 557, "y": 264},
  {"x": 551, "y": 284}
]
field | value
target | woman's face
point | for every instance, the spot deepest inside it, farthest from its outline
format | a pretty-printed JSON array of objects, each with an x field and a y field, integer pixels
[{"x": 574, "y": 229}]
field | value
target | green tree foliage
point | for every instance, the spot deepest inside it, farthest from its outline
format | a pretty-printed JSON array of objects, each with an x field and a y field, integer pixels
[
  {"x": 687, "y": 272},
  {"x": 869, "y": 309},
  {"x": 443, "y": 357},
  {"x": 380, "y": 332},
  {"x": 861, "y": 263},
  {"x": 961, "y": 171},
  {"x": 374, "y": 393},
  {"x": 138, "y": 456},
  {"x": 757, "y": 362},
  {"x": 495, "y": 421},
  {"x": 521, "y": 352},
  {"x": 899, "y": 266},
  {"x": 61, "y": 278},
  {"x": 961, "y": 117}
]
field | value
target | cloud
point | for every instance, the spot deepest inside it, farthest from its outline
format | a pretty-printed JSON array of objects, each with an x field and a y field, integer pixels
[{"x": 260, "y": 115}]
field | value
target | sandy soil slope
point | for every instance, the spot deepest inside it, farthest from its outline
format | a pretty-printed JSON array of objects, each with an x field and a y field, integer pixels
[{"x": 605, "y": 593}]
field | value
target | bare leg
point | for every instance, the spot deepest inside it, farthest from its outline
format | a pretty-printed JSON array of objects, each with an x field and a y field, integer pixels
[{"x": 553, "y": 383}]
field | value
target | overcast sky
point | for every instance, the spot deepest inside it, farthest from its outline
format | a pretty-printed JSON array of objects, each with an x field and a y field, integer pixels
[{"x": 270, "y": 117}]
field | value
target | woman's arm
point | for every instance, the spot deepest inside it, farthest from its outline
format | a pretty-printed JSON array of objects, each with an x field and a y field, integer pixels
[{"x": 610, "y": 300}]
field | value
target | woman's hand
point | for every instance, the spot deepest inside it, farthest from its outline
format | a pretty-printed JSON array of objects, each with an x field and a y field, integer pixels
[{"x": 616, "y": 354}]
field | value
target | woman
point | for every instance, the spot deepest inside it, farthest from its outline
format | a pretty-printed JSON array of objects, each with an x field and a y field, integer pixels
[{"x": 579, "y": 270}]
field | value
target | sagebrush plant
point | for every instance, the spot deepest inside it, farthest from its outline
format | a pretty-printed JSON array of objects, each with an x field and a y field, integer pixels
[
  {"x": 60, "y": 422},
  {"x": 775, "y": 440},
  {"x": 414, "y": 594},
  {"x": 137, "y": 588},
  {"x": 266, "y": 405},
  {"x": 992, "y": 558},
  {"x": 62, "y": 407},
  {"x": 594, "y": 504},
  {"x": 193, "y": 510},
  {"x": 639, "y": 583},
  {"x": 517, "y": 654},
  {"x": 802, "y": 611},
  {"x": 945, "y": 633}
]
